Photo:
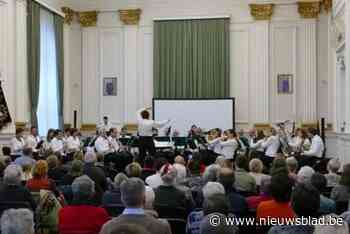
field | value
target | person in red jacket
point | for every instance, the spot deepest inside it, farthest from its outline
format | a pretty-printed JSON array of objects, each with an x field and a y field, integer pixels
[{"x": 81, "y": 217}]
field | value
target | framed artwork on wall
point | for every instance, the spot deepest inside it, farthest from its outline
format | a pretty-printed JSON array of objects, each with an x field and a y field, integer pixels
[
  {"x": 285, "y": 83},
  {"x": 110, "y": 86}
]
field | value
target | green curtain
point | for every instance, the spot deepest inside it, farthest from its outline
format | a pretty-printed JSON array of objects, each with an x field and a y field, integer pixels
[
  {"x": 58, "y": 23},
  {"x": 192, "y": 58},
  {"x": 33, "y": 54}
]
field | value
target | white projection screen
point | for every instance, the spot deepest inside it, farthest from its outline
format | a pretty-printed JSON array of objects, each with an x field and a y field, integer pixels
[{"x": 205, "y": 113}]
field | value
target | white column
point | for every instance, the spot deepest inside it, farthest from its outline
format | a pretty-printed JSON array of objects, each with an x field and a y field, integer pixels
[
  {"x": 130, "y": 73},
  {"x": 259, "y": 72},
  {"x": 307, "y": 70},
  {"x": 67, "y": 110},
  {"x": 22, "y": 88},
  {"x": 91, "y": 85},
  {"x": 347, "y": 66}
]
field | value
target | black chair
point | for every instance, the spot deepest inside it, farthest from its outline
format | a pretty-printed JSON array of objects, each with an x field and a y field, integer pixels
[
  {"x": 341, "y": 207},
  {"x": 166, "y": 212},
  {"x": 5, "y": 205},
  {"x": 114, "y": 210},
  {"x": 178, "y": 226}
]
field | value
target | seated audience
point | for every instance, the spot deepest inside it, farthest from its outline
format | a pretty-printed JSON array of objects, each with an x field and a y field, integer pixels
[
  {"x": 96, "y": 174},
  {"x": 180, "y": 166},
  {"x": 332, "y": 177},
  {"x": 256, "y": 167},
  {"x": 133, "y": 197},
  {"x": 243, "y": 180},
  {"x": 210, "y": 173},
  {"x": 17, "y": 221},
  {"x": 113, "y": 196},
  {"x": 133, "y": 170},
  {"x": 154, "y": 180},
  {"x": 211, "y": 189},
  {"x": 12, "y": 190},
  {"x": 292, "y": 165},
  {"x": 278, "y": 207},
  {"x": 167, "y": 194},
  {"x": 148, "y": 168},
  {"x": 341, "y": 192},
  {"x": 279, "y": 166},
  {"x": 40, "y": 179},
  {"x": 305, "y": 173},
  {"x": 56, "y": 171},
  {"x": 265, "y": 194},
  {"x": 305, "y": 203},
  {"x": 81, "y": 217},
  {"x": 327, "y": 205},
  {"x": 330, "y": 227},
  {"x": 26, "y": 158},
  {"x": 238, "y": 204},
  {"x": 75, "y": 171},
  {"x": 207, "y": 228}
]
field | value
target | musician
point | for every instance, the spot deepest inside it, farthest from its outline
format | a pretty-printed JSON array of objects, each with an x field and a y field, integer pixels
[
  {"x": 213, "y": 143},
  {"x": 57, "y": 143},
  {"x": 300, "y": 141},
  {"x": 316, "y": 150},
  {"x": 105, "y": 125},
  {"x": 102, "y": 145},
  {"x": 18, "y": 143},
  {"x": 46, "y": 147},
  {"x": 229, "y": 144},
  {"x": 73, "y": 141},
  {"x": 271, "y": 145},
  {"x": 257, "y": 137},
  {"x": 32, "y": 140},
  {"x": 113, "y": 139},
  {"x": 145, "y": 132}
]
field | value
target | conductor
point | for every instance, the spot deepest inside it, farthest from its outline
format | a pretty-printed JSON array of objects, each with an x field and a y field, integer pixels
[{"x": 145, "y": 132}]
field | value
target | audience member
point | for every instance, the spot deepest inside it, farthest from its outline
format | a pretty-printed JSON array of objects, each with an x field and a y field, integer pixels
[
  {"x": 167, "y": 194},
  {"x": 292, "y": 165},
  {"x": 56, "y": 172},
  {"x": 210, "y": 173},
  {"x": 256, "y": 167},
  {"x": 341, "y": 192},
  {"x": 206, "y": 226},
  {"x": 75, "y": 171},
  {"x": 305, "y": 203},
  {"x": 238, "y": 204},
  {"x": 155, "y": 180},
  {"x": 26, "y": 158},
  {"x": 332, "y": 177},
  {"x": 17, "y": 221},
  {"x": 305, "y": 173},
  {"x": 113, "y": 195},
  {"x": 327, "y": 205},
  {"x": 133, "y": 197},
  {"x": 40, "y": 179},
  {"x": 70, "y": 217},
  {"x": 148, "y": 168},
  {"x": 278, "y": 207},
  {"x": 12, "y": 190},
  {"x": 243, "y": 180},
  {"x": 265, "y": 194},
  {"x": 133, "y": 170}
]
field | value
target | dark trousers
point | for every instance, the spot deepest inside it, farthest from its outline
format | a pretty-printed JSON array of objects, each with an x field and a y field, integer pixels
[
  {"x": 267, "y": 161},
  {"x": 146, "y": 145},
  {"x": 304, "y": 160}
]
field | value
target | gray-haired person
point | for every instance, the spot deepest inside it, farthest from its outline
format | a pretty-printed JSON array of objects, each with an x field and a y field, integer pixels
[
  {"x": 17, "y": 221},
  {"x": 133, "y": 197},
  {"x": 12, "y": 189}
]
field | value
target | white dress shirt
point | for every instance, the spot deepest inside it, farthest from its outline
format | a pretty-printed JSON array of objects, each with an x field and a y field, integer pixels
[
  {"x": 105, "y": 127},
  {"x": 227, "y": 148},
  {"x": 215, "y": 146},
  {"x": 57, "y": 145},
  {"x": 114, "y": 143},
  {"x": 317, "y": 147},
  {"x": 271, "y": 145},
  {"x": 32, "y": 142},
  {"x": 73, "y": 144},
  {"x": 257, "y": 145},
  {"x": 102, "y": 145},
  {"x": 17, "y": 145},
  {"x": 145, "y": 126},
  {"x": 296, "y": 142}
]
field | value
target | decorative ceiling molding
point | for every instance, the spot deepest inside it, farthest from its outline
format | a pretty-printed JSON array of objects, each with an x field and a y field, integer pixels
[
  {"x": 309, "y": 10},
  {"x": 68, "y": 15},
  {"x": 130, "y": 16},
  {"x": 261, "y": 11},
  {"x": 88, "y": 18}
]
